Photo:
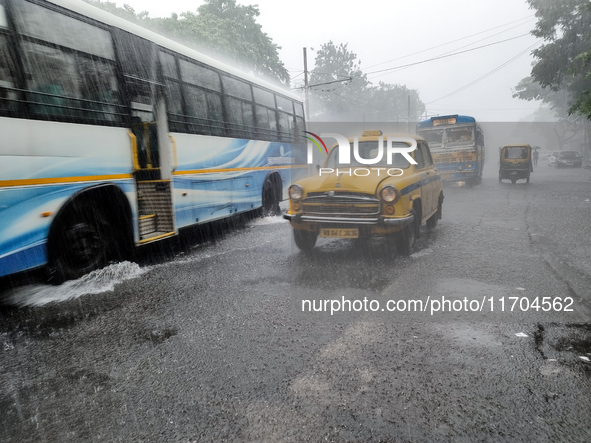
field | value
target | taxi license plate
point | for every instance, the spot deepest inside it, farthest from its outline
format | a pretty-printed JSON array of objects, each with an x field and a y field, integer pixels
[{"x": 341, "y": 233}]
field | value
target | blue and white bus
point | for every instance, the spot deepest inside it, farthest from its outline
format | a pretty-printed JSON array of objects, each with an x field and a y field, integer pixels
[
  {"x": 457, "y": 145},
  {"x": 113, "y": 136}
]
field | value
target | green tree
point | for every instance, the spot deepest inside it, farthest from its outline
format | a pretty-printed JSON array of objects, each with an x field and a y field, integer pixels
[
  {"x": 391, "y": 102},
  {"x": 219, "y": 28},
  {"x": 564, "y": 61},
  {"x": 339, "y": 90},
  {"x": 568, "y": 126},
  {"x": 338, "y": 87}
]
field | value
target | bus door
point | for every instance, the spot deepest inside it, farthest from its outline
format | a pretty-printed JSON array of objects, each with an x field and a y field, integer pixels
[{"x": 150, "y": 146}]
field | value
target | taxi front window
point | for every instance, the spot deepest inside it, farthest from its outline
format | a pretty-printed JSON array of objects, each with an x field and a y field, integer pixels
[
  {"x": 515, "y": 153},
  {"x": 369, "y": 150}
]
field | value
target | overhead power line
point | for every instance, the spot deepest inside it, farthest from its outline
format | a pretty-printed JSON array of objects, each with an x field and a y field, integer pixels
[
  {"x": 487, "y": 74},
  {"x": 448, "y": 55},
  {"x": 529, "y": 17}
]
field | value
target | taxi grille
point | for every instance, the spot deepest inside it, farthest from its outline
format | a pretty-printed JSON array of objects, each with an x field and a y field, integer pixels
[{"x": 342, "y": 203}]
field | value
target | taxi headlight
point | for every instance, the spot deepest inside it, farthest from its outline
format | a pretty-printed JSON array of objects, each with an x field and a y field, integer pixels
[
  {"x": 389, "y": 194},
  {"x": 296, "y": 192}
]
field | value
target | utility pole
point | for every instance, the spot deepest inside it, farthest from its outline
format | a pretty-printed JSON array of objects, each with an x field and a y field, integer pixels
[{"x": 306, "y": 84}]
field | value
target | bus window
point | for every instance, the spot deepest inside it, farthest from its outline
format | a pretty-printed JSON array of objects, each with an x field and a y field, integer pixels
[
  {"x": 8, "y": 95},
  {"x": 266, "y": 122},
  {"x": 284, "y": 104},
  {"x": 263, "y": 97},
  {"x": 236, "y": 88},
  {"x": 200, "y": 76},
  {"x": 59, "y": 29},
  {"x": 168, "y": 63},
  {"x": 240, "y": 117},
  {"x": 299, "y": 109},
  {"x": 204, "y": 110},
  {"x": 78, "y": 82},
  {"x": 238, "y": 101},
  {"x": 285, "y": 126}
]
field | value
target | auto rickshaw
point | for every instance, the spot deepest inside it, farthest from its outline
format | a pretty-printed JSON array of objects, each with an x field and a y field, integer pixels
[{"x": 515, "y": 163}]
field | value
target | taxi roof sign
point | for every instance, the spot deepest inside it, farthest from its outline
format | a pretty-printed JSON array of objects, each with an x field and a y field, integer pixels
[{"x": 372, "y": 133}]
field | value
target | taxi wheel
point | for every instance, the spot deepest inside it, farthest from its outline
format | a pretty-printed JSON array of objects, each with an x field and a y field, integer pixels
[
  {"x": 304, "y": 240},
  {"x": 432, "y": 222},
  {"x": 407, "y": 238}
]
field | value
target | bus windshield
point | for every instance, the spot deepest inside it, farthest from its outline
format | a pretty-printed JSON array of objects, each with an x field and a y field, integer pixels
[
  {"x": 369, "y": 150},
  {"x": 456, "y": 135},
  {"x": 435, "y": 136}
]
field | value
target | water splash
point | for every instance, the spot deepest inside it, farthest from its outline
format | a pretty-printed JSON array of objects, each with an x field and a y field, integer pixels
[
  {"x": 96, "y": 282},
  {"x": 271, "y": 220}
]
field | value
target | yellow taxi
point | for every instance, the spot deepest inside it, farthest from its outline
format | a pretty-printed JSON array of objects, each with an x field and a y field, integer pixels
[{"x": 391, "y": 197}]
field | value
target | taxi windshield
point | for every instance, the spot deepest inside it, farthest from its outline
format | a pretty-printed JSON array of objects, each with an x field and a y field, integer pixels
[
  {"x": 516, "y": 152},
  {"x": 369, "y": 150}
]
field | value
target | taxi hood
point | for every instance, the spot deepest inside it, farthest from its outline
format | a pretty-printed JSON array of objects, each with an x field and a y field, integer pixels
[{"x": 343, "y": 181}]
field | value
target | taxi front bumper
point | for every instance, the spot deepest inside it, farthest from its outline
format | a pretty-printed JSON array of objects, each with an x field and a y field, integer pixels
[{"x": 389, "y": 222}]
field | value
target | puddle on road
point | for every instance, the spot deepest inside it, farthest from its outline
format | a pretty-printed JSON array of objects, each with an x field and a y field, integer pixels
[{"x": 96, "y": 282}]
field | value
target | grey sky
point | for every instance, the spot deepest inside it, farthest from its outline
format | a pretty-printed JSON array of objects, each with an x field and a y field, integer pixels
[{"x": 404, "y": 32}]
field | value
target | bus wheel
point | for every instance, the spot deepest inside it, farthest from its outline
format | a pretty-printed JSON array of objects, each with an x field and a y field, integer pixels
[
  {"x": 304, "y": 240},
  {"x": 407, "y": 238},
  {"x": 527, "y": 180},
  {"x": 82, "y": 242},
  {"x": 270, "y": 199},
  {"x": 513, "y": 181},
  {"x": 500, "y": 178}
]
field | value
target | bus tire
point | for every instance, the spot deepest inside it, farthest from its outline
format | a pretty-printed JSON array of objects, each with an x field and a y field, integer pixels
[
  {"x": 406, "y": 241},
  {"x": 270, "y": 198},
  {"x": 305, "y": 240},
  {"x": 513, "y": 181},
  {"x": 82, "y": 242}
]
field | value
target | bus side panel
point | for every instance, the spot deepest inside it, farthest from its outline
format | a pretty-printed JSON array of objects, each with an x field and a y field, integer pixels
[
  {"x": 42, "y": 164},
  {"x": 26, "y": 216},
  {"x": 216, "y": 176}
]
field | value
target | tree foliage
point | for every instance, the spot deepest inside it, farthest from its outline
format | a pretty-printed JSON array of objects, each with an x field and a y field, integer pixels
[
  {"x": 219, "y": 28},
  {"x": 339, "y": 90},
  {"x": 563, "y": 62}
]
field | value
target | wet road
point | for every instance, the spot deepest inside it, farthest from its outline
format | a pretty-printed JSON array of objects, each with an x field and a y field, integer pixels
[{"x": 212, "y": 345}]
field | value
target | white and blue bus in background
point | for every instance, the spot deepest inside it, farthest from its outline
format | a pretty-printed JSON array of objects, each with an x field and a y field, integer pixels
[
  {"x": 457, "y": 146},
  {"x": 113, "y": 136}
]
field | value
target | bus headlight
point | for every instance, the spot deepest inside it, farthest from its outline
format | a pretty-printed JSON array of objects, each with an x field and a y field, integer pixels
[
  {"x": 296, "y": 192},
  {"x": 389, "y": 194}
]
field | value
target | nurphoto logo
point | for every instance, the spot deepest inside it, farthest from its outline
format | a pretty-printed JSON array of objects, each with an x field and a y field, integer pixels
[{"x": 394, "y": 145}]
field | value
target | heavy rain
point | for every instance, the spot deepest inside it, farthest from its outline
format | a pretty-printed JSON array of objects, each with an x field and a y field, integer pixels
[{"x": 208, "y": 234}]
